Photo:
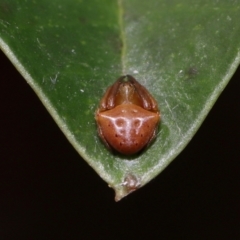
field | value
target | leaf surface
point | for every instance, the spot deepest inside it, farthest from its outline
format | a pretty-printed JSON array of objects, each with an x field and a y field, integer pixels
[{"x": 184, "y": 53}]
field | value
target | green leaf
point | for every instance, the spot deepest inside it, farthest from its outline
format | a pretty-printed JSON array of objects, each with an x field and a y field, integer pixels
[{"x": 71, "y": 51}]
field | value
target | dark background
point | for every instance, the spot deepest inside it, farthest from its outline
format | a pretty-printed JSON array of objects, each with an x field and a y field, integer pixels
[{"x": 48, "y": 192}]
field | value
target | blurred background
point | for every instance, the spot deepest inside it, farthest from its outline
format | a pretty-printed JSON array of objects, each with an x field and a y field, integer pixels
[{"x": 48, "y": 192}]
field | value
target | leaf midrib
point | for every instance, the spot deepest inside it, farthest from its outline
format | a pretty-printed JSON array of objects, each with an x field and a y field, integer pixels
[{"x": 122, "y": 36}]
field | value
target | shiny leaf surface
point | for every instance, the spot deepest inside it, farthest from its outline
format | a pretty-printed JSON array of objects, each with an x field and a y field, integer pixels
[{"x": 184, "y": 53}]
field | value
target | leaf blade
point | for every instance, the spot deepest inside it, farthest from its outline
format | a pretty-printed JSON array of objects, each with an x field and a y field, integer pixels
[{"x": 72, "y": 54}]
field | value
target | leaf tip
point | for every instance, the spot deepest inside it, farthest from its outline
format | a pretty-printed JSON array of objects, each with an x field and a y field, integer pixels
[{"x": 130, "y": 184}]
